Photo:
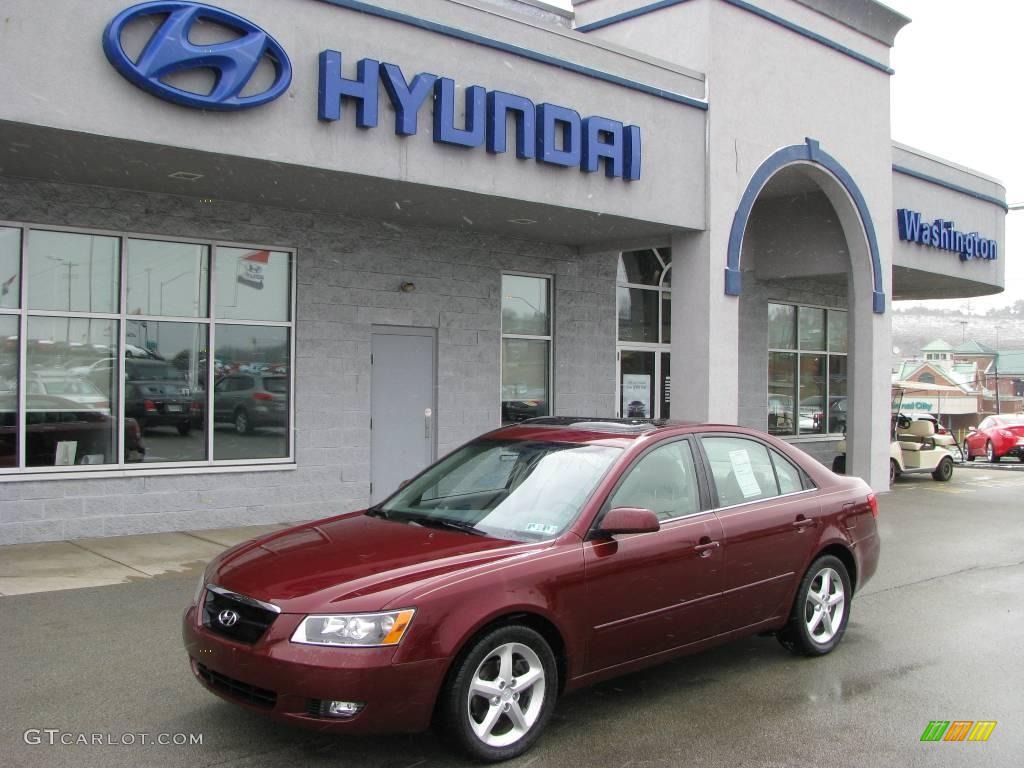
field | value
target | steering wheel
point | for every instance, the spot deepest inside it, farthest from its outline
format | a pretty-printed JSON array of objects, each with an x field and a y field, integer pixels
[{"x": 903, "y": 422}]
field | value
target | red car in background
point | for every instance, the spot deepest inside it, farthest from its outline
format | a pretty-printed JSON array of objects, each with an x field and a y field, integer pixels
[
  {"x": 996, "y": 436},
  {"x": 535, "y": 560}
]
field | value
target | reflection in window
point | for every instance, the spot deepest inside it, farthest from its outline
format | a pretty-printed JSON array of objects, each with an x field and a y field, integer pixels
[
  {"x": 252, "y": 393},
  {"x": 638, "y": 315},
  {"x": 91, "y": 357},
  {"x": 166, "y": 278},
  {"x": 640, "y": 267},
  {"x": 525, "y": 347},
  {"x": 70, "y": 272},
  {"x": 815, "y": 382},
  {"x": 164, "y": 391},
  {"x": 70, "y": 416},
  {"x": 524, "y": 306},
  {"x": 10, "y": 271},
  {"x": 8, "y": 390},
  {"x": 253, "y": 285}
]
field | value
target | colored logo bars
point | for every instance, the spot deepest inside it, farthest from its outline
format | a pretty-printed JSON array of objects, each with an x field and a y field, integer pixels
[
  {"x": 958, "y": 730},
  {"x": 169, "y": 52}
]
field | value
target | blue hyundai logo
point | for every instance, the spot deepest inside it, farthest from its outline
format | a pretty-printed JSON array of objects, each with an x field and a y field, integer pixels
[{"x": 169, "y": 51}]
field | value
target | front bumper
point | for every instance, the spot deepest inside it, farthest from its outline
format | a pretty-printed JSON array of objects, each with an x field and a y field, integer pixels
[{"x": 287, "y": 680}]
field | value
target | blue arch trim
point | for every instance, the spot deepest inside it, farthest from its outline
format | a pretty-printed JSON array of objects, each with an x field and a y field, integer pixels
[{"x": 811, "y": 152}]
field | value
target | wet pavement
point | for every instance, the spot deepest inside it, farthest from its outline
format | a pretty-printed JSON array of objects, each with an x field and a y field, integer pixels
[{"x": 937, "y": 635}]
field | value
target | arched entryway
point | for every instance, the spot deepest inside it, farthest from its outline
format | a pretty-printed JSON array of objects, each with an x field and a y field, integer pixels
[{"x": 804, "y": 261}]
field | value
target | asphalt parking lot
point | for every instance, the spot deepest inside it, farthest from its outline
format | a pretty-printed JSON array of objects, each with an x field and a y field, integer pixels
[{"x": 937, "y": 635}]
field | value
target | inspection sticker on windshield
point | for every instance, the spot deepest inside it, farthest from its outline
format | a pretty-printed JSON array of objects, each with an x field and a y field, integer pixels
[
  {"x": 744, "y": 473},
  {"x": 541, "y": 528}
]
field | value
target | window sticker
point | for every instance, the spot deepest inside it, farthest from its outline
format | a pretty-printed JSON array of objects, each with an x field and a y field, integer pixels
[
  {"x": 541, "y": 528},
  {"x": 744, "y": 473}
]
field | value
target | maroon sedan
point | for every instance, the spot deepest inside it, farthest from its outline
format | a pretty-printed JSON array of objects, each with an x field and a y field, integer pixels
[
  {"x": 995, "y": 437},
  {"x": 532, "y": 561}
]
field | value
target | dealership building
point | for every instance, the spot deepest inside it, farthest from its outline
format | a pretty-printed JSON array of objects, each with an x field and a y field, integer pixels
[{"x": 262, "y": 261}]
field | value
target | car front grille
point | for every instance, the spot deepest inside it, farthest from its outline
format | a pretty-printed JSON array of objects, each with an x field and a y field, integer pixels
[
  {"x": 250, "y": 621},
  {"x": 236, "y": 689}
]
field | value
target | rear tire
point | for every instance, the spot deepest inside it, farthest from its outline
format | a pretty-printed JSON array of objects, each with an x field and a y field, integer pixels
[
  {"x": 821, "y": 609},
  {"x": 944, "y": 471},
  {"x": 184, "y": 428},
  {"x": 242, "y": 424},
  {"x": 990, "y": 453},
  {"x": 500, "y": 695},
  {"x": 894, "y": 472}
]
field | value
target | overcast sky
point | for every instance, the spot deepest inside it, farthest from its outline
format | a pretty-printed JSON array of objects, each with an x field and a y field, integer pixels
[{"x": 957, "y": 94}]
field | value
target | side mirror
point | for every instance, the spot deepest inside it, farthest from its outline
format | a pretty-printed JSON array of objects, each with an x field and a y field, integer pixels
[{"x": 629, "y": 520}]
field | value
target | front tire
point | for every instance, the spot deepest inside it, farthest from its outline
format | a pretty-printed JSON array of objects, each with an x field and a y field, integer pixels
[
  {"x": 944, "y": 471},
  {"x": 501, "y": 694},
  {"x": 821, "y": 609}
]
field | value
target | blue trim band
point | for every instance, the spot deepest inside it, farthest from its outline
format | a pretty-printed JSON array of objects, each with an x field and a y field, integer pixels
[
  {"x": 526, "y": 53},
  {"x": 744, "y": 6},
  {"x": 641, "y": 11},
  {"x": 949, "y": 185},
  {"x": 820, "y": 39},
  {"x": 809, "y": 152}
]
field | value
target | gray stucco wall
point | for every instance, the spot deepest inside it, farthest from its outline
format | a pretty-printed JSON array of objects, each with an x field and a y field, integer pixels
[{"x": 348, "y": 273}]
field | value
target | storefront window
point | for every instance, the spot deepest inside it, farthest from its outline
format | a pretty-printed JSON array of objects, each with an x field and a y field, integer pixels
[
  {"x": 644, "y": 314},
  {"x": 806, "y": 383},
  {"x": 252, "y": 394},
  {"x": 167, "y": 279},
  {"x": 10, "y": 271},
  {"x": 68, "y": 272},
  {"x": 8, "y": 391},
  {"x": 253, "y": 285},
  {"x": 119, "y": 374},
  {"x": 638, "y": 315},
  {"x": 70, "y": 414},
  {"x": 525, "y": 347}
]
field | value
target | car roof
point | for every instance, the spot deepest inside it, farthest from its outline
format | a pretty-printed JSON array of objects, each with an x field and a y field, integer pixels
[{"x": 582, "y": 429}]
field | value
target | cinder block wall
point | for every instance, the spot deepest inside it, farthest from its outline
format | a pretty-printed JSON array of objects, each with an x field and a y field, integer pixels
[{"x": 348, "y": 273}]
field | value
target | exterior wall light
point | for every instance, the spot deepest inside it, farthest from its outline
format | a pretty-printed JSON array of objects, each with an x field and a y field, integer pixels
[{"x": 407, "y": 287}]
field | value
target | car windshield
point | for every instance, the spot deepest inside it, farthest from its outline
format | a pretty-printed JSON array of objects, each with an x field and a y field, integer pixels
[
  {"x": 1013, "y": 421},
  {"x": 509, "y": 489}
]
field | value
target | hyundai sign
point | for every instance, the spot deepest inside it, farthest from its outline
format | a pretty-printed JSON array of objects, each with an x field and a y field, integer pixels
[
  {"x": 549, "y": 133},
  {"x": 169, "y": 52}
]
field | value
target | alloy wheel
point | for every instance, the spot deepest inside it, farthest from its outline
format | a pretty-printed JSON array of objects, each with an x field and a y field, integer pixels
[
  {"x": 506, "y": 694},
  {"x": 990, "y": 452},
  {"x": 825, "y": 605}
]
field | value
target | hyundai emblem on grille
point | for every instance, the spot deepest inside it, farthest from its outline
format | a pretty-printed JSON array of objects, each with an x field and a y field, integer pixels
[{"x": 227, "y": 618}]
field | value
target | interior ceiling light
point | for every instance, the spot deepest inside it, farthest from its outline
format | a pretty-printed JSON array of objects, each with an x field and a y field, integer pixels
[{"x": 186, "y": 176}]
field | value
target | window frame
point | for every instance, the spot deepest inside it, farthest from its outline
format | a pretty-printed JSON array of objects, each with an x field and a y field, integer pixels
[
  {"x": 549, "y": 338},
  {"x": 122, "y": 317},
  {"x": 799, "y": 352}
]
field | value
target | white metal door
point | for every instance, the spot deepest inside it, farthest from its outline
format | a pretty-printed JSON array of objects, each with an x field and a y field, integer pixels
[{"x": 402, "y": 407}]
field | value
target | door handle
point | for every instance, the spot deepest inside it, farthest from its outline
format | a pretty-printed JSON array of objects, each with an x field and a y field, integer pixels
[
  {"x": 802, "y": 522},
  {"x": 705, "y": 548},
  {"x": 428, "y": 417}
]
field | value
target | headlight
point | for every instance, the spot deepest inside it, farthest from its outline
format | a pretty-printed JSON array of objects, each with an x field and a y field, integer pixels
[
  {"x": 199, "y": 588},
  {"x": 359, "y": 629}
]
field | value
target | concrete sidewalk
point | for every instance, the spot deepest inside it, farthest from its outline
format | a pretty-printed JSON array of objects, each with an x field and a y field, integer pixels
[{"x": 55, "y": 565}]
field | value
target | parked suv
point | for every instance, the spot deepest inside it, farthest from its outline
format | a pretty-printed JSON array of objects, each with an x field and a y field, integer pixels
[{"x": 251, "y": 400}]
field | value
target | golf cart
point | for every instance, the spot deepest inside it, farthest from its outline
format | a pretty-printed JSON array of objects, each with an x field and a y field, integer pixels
[{"x": 914, "y": 446}]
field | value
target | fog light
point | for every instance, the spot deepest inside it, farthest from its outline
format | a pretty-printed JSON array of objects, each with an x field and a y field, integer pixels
[{"x": 343, "y": 708}]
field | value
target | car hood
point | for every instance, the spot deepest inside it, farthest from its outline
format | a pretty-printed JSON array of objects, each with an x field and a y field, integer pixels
[{"x": 361, "y": 561}]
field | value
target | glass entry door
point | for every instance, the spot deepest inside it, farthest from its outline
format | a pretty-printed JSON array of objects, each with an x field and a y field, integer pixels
[{"x": 644, "y": 384}]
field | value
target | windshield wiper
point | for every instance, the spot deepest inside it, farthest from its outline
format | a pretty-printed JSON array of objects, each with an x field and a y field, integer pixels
[
  {"x": 377, "y": 511},
  {"x": 442, "y": 522}
]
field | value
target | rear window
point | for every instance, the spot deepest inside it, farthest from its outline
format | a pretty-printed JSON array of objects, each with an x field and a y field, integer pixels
[
  {"x": 277, "y": 384},
  {"x": 152, "y": 370}
]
